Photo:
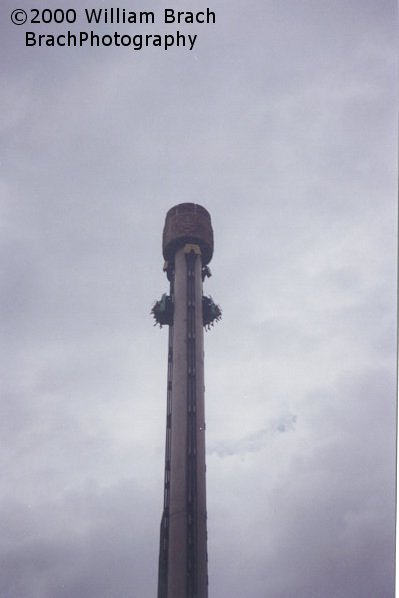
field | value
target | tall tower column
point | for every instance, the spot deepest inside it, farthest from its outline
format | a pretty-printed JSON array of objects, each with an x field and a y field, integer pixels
[
  {"x": 187, "y": 248},
  {"x": 187, "y": 510}
]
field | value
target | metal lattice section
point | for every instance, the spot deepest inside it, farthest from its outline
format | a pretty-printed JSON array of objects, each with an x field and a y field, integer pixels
[{"x": 191, "y": 463}]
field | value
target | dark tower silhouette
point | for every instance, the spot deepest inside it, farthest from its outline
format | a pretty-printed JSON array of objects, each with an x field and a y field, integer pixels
[{"x": 187, "y": 249}]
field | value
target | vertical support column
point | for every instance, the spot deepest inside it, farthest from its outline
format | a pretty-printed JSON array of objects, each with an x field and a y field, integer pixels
[
  {"x": 202, "y": 555},
  {"x": 192, "y": 499},
  {"x": 177, "y": 556},
  {"x": 197, "y": 575},
  {"x": 164, "y": 532},
  {"x": 187, "y": 557}
]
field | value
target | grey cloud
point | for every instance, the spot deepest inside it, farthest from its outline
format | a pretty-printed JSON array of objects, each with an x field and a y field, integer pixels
[
  {"x": 281, "y": 125},
  {"x": 318, "y": 501},
  {"x": 256, "y": 441},
  {"x": 88, "y": 544}
]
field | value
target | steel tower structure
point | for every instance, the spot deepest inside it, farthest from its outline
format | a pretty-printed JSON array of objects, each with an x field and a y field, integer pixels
[{"x": 187, "y": 249}]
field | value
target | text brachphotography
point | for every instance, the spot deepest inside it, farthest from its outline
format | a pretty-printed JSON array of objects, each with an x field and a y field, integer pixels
[{"x": 89, "y": 38}]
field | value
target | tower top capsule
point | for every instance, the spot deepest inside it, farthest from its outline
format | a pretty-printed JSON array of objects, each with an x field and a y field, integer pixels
[{"x": 187, "y": 223}]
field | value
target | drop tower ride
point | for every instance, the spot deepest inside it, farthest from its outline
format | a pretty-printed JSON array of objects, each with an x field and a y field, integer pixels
[{"x": 187, "y": 249}]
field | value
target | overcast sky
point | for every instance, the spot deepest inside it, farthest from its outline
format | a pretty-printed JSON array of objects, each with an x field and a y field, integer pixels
[{"x": 281, "y": 122}]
